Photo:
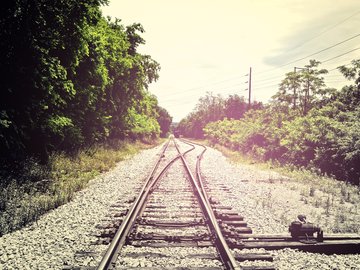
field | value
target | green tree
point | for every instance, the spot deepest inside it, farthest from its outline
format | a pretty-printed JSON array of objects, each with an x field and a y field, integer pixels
[
  {"x": 235, "y": 107},
  {"x": 326, "y": 138},
  {"x": 212, "y": 108},
  {"x": 164, "y": 119},
  {"x": 70, "y": 78},
  {"x": 40, "y": 46},
  {"x": 303, "y": 89}
]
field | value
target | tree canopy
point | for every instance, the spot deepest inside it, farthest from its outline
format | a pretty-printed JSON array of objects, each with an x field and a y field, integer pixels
[
  {"x": 70, "y": 78},
  {"x": 313, "y": 127},
  {"x": 213, "y": 108}
]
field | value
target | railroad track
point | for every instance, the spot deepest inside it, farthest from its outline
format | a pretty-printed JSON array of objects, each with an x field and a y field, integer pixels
[
  {"x": 171, "y": 223},
  {"x": 175, "y": 223}
]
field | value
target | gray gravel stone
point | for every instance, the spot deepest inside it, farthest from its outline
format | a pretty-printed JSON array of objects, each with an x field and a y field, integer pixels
[
  {"x": 269, "y": 202},
  {"x": 53, "y": 241},
  {"x": 64, "y": 236}
]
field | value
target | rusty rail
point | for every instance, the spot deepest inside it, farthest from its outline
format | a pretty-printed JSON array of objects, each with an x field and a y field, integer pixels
[
  {"x": 118, "y": 241},
  {"x": 224, "y": 251}
]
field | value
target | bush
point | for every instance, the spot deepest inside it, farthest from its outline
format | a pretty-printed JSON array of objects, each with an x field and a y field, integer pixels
[
  {"x": 23, "y": 201},
  {"x": 325, "y": 140}
]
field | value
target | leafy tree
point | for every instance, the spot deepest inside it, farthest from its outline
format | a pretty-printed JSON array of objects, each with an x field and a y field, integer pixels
[
  {"x": 348, "y": 150},
  {"x": 209, "y": 108},
  {"x": 164, "y": 119},
  {"x": 302, "y": 89},
  {"x": 325, "y": 138},
  {"x": 71, "y": 78},
  {"x": 235, "y": 107},
  {"x": 353, "y": 72},
  {"x": 212, "y": 108},
  {"x": 41, "y": 46},
  {"x": 287, "y": 94}
]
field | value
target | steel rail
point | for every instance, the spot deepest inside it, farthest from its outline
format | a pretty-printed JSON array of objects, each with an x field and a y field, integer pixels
[
  {"x": 223, "y": 249},
  {"x": 118, "y": 241}
]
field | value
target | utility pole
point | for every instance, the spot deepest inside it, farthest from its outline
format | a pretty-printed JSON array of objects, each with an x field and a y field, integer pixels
[
  {"x": 250, "y": 88},
  {"x": 307, "y": 95},
  {"x": 307, "y": 91},
  {"x": 294, "y": 89}
]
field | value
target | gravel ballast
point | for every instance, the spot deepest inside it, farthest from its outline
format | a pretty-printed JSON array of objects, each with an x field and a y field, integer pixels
[
  {"x": 174, "y": 193},
  {"x": 268, "y": 201},
  {"x": 64, "y": 236}
]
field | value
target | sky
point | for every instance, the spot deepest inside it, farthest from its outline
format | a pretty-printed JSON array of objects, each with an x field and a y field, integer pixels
[{"x": 209, "y": 45}]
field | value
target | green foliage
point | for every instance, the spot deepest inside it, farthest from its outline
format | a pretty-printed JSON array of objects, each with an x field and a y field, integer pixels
[
  {"x": 58, "y": 123},
  {"x": 235, "y": 107},
  {"x": 353, "y": 72},
  {"x": 70, "y": 78},
  {"x": 164, "y": 119},
  {"x": 303, "y": 89},
  {"x": 39, "y": 188},
  {"x": 258, "y": 133},
  {"x": 326, "y": 138},
  {"x": 318, "y": 135},
  {"x": 213, "y": 108}
]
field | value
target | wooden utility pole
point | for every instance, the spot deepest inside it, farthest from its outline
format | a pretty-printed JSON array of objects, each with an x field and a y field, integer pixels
[
  {"x": 307, "y": 90},
  {"x": 250, "y": 88},
  {"x": 307, "y": 95},
  {"x": 294, "y": 88}
]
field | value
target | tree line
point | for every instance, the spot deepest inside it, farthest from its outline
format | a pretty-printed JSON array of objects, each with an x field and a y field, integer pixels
[
  {"x": 71, "y": 78},
  {"x": 306, "y": 124},
  {"x": 211, "y": 108}
]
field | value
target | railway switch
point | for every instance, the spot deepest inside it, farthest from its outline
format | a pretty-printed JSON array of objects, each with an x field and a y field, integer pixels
[{"x": 304, "y": 231}]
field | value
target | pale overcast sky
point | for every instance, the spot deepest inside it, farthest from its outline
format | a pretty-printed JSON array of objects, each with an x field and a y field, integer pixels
[{"x": 209, "y": 45}]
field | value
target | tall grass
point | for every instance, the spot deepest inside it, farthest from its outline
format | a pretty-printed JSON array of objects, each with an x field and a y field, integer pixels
[
  {"x": 28, "y": 190},
  {"x": 321, "y": 191}
]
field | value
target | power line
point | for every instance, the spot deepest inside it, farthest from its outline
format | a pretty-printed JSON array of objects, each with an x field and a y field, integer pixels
[
  {"x": 208, "y": 85},
  {"x": 262, "y": 85},
  {"x": 277, "y": 77},
  {"x": 268, "y": 79},
  {"x": 234, "y": 78},
  {"x": 327, "y": 60},
  {"x": 267, "y": 86},
  {"x": 312, "y": 54},
  {"x": 332, "y": 75},
  {"x": 219, "y": 91},
  {"x": 294, "y": 61},
  {"x": 272, "y": 78},
  {"x": 331, "y": 46},
  {"x": 260, "y": 82},
  {"x": 336, "y": 81},
  {"x": 325, "y": 75},
  {"x": 327, "y": 30},
  {"x": 337, "y": 67},
  {"x": 321, "y": 33}
]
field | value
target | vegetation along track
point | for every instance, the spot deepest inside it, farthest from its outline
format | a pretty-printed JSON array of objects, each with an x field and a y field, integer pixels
[
  {"x": 178, "y": 222},
  {"x": 173, "y": 223}
]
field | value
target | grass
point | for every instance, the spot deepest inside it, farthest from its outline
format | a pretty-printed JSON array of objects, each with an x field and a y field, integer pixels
[
  {"x": 35, "y": 189},
  {"x": 336, "y": 198}
]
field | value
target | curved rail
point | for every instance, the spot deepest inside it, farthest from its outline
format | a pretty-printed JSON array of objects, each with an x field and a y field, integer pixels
[
  {"x": 119, "y": 239},
  {"x": 224, "y": 251}
]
